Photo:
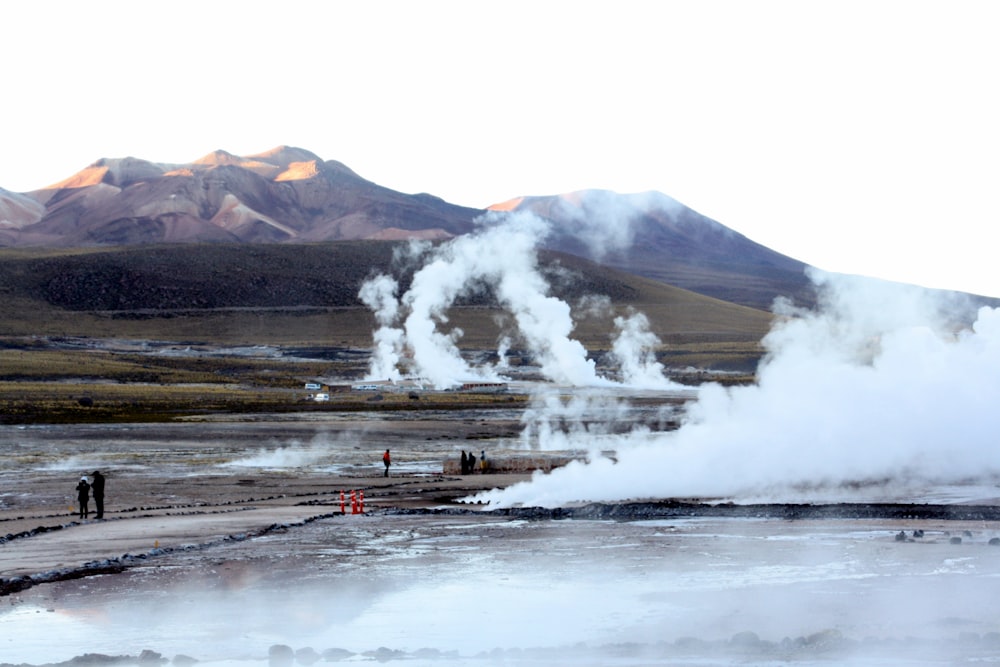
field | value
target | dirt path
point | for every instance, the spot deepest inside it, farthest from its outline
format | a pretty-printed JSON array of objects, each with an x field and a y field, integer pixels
[{"x": 38, "y": 546}]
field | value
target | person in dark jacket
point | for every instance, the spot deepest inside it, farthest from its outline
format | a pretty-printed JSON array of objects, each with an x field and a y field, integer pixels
[
  {"x": 83, "y": 495},
  {"x": 387, "y": 461},
  {"x": 465, "y": 463},
  {"x": 97, "y": 488}
]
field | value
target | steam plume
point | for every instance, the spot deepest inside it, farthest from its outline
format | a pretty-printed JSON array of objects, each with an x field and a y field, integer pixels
[
  {"x": 500, "y": 258},
  {"x": 876, "y": 386}
]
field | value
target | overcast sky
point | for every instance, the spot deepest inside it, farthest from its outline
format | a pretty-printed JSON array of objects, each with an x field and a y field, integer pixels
[{"x": 860, "y": 137}]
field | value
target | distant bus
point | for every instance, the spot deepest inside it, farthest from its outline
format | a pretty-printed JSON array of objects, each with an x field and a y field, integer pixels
[{"x": 312, "y": 385}]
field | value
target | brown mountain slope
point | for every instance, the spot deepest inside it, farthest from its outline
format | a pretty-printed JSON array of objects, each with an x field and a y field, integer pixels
[
  {"x": 291, "y": 195},
  {"x": 286, "y": 194}
]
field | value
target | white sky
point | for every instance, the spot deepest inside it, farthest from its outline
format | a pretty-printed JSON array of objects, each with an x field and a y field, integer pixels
[{"x": 859, "y": 137}]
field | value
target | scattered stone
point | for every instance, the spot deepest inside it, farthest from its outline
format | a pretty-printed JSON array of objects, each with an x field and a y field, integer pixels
[{"x": 955, "y": 540}]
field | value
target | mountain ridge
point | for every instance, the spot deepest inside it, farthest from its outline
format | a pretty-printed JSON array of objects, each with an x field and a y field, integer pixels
[{"x": 291, "y": 195}]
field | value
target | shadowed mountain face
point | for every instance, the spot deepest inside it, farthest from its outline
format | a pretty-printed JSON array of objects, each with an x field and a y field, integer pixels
[{"x": 290, "y": 195}]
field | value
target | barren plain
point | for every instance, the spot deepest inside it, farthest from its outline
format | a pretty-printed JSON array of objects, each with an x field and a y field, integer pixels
[{"x": 226, "y": 541}]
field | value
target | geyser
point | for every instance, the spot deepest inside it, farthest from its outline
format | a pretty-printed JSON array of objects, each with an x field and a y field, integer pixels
[
  {"x": 876, "y": 386},
  {"x": 499, "y": 258}
]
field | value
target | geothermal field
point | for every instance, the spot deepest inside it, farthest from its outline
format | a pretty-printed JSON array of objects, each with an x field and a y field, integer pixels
[
  {"x": 226, "y": 543},
  {"x": 841, "y": 509}
]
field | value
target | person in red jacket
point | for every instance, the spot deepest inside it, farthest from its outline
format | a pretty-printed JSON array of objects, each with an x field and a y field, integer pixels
[{"x": 387, "y": 461}]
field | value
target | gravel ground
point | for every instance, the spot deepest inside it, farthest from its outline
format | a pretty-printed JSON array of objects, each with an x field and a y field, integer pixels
[{"x": 227, "y": 543}]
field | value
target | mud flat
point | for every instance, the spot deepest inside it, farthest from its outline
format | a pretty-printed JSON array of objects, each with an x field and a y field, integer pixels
[{"x": 228, "y": 543}]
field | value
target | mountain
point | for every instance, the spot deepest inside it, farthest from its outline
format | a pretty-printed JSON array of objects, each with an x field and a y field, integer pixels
[
  {"x": 16, "y": 212},
  {"x": 283, "y": 195},
  {"x": 290, "y": 195},
  {"x": 652, "y": 235}
]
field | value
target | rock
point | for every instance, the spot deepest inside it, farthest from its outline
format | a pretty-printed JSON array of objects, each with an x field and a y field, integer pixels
[
  {"x": 306, "y": 656},
  {"x": 382, "y": 654},
  {"x": 280, "y": 655},
  {"x": 335, "y": 654},
  {"x": 151, "y": 658},
  {"x": 745, "y": 639}
]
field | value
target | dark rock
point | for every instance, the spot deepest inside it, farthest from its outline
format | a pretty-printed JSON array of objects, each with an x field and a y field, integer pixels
[
  {"x": 98, "y": 660},
  {"x": 306, "y": 656},
  {"x": 335, "y": 654},
  {"x": 181, "y": 660},
  {"x": 383, "y": 654},
  {"x": 745, "y": 640},
  {"x": 280, "y": 655},
  {"x": 955, "y": 540},
  {"x": 151, "y": 658}
]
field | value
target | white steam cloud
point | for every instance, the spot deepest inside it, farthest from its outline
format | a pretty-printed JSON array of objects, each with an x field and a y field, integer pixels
[
  {"x": 500, "y": 258},
  {"x": 876, "y": 386},
  {"x": 605, "y": 221}
]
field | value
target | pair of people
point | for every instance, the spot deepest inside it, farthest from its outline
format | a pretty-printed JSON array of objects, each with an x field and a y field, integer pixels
[{"x": 84, "y": 488}]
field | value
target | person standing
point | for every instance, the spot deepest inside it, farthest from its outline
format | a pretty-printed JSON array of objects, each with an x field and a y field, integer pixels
[
  {"x": 83, "y": 495},
  {"x": 465, "y": 463},
  {"x": 387, "y": 461},
  {"x": 97, "y": 488}
]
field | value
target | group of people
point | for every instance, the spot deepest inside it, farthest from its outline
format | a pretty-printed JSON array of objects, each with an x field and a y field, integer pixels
[
  {"x": 469, "y": 462},
  {"x": 84, "y": 489}
]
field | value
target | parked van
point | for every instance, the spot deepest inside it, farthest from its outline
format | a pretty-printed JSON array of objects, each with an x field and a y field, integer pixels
[
  {"x": 322, "y": 397},
  {"x": 312, "y": 385}
]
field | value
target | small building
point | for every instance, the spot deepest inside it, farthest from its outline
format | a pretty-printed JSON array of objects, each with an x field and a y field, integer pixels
[{"x": 484, "y": 387}]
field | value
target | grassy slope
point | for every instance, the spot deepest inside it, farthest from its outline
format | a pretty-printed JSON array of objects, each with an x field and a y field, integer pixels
[
  {"x": 299, "y": 295},
  {"x": 279, "y": 295}
]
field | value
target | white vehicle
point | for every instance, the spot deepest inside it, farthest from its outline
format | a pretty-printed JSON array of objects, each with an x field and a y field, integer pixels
[
  {"x": 312, "y": 385},
  {"x": 321, "y": 397}
]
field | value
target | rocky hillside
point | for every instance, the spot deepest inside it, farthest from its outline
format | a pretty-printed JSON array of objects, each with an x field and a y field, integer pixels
[
  {"x": 652, "y": 235},
  {"x": 290, "y": 195},
  {"x": 286, "y": 194}
]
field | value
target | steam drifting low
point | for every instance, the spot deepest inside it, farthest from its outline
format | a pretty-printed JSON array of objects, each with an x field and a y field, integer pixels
[{"x": 875, "y": 388}]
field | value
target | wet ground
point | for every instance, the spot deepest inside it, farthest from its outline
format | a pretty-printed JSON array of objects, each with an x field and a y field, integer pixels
[{"x": 225, "y": 539}]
